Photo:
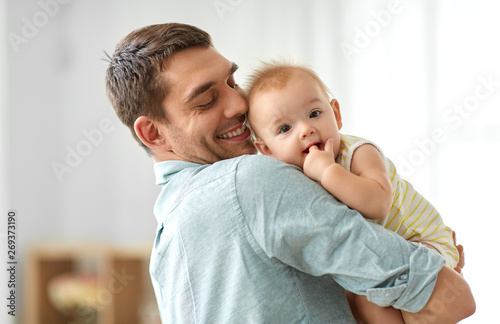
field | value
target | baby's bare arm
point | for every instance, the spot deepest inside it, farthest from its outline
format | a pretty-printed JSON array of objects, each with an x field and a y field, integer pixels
[{"x": 367, "y": 188}]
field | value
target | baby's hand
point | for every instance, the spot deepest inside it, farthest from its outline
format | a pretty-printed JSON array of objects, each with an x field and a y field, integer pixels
[{"x": 317, "y": 160}]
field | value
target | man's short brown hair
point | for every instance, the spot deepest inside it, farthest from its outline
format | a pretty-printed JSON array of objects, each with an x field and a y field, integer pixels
[{"x": 135, "y": 84}]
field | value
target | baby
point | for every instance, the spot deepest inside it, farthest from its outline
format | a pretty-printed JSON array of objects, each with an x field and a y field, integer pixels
[{"x": 294, "y": 120}]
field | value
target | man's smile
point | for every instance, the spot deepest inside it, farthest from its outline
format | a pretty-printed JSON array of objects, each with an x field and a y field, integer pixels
[{"x": 241, "y": 131}]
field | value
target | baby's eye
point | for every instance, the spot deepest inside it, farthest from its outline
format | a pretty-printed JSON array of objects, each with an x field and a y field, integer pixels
[
  {"x": 315, "y": 114},
  {"x": 284, "y": 129}
]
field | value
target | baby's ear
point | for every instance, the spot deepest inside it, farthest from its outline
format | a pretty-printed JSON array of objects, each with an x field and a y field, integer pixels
[
  {"x": 336, "y": 111},
  {"x": 262, "y": 147}
]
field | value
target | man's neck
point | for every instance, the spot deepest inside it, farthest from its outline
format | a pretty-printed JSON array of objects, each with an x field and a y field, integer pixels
[{"x": 166, "y": 156}]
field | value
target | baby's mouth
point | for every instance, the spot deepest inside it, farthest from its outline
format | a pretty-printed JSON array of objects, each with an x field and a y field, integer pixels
[{"x": 306, "y": 151}]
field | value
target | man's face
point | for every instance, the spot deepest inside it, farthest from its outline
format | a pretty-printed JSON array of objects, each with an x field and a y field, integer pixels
[{"x": 204, "y": 107}]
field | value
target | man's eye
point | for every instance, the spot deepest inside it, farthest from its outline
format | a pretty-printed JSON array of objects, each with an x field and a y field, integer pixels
[
  {"x": 284, "y": 129},
  {"x": 207, "y": 105},
  {"x": 315, "y": 114},
  {"x": 231, "y": 82}
]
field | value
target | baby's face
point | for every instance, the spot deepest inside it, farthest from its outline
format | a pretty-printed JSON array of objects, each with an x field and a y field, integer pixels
[{"x": 288, "y": 121}]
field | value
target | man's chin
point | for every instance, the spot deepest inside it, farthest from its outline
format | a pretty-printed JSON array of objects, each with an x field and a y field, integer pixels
[
  {"x": 242, "y": 148},
  {"x": 249, "y": 148}
]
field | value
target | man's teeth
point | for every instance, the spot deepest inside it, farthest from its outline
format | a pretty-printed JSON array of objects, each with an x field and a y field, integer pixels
[{"x": 237, "y": 132}]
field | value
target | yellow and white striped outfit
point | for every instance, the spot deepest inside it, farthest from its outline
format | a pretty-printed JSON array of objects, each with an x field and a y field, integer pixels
[{"x": 411, "y": 215}]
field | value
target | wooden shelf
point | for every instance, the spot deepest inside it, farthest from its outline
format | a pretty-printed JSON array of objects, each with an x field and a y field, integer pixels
[{"x": 125, "y": 294}]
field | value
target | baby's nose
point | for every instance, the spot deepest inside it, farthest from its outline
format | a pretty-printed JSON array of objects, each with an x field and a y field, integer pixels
[{"x": 307, "y": 130}]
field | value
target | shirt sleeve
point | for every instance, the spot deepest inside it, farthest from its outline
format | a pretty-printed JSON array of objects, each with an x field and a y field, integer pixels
[{"x": 294, "y": 220}]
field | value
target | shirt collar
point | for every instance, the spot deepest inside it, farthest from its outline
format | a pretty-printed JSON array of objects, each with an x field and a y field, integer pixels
[{"x": 165, "y": 170}]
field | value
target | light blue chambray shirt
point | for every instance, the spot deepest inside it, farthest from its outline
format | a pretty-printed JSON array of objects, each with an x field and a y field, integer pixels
[{"x": 253, "y": 240}]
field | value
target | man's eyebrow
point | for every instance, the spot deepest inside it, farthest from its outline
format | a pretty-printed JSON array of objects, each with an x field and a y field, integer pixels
[
  {"x": 199, "y": 90},
  {"x": 204, "y": 87}
]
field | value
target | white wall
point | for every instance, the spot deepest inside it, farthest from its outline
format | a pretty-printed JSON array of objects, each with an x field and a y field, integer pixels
[
  {"x": 466, "y": 164},
  {"x": 396, "y": 87}
]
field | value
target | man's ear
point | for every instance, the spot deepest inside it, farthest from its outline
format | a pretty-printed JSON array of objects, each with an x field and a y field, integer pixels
[
  {"x": 336, "y": 111},
  {"x": 262, "y": 147},
  {"x": 148, "y": 132}
]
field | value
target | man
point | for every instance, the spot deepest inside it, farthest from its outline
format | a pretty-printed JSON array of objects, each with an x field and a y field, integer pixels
[{"x": 244, "y": 238}]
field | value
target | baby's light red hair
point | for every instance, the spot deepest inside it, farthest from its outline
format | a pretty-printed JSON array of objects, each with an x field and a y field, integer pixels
[{"x": 276, "y": 74}]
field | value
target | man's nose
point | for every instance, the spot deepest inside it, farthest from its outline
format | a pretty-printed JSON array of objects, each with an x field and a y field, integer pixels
[{"x": 235, "y": 104}]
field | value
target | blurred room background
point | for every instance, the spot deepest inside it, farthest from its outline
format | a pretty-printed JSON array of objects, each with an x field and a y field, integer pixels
[{"x": 420, "y": 78}]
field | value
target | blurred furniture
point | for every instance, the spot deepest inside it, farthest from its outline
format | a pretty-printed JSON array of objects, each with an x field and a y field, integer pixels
[{"x": 124, "y": 293}]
